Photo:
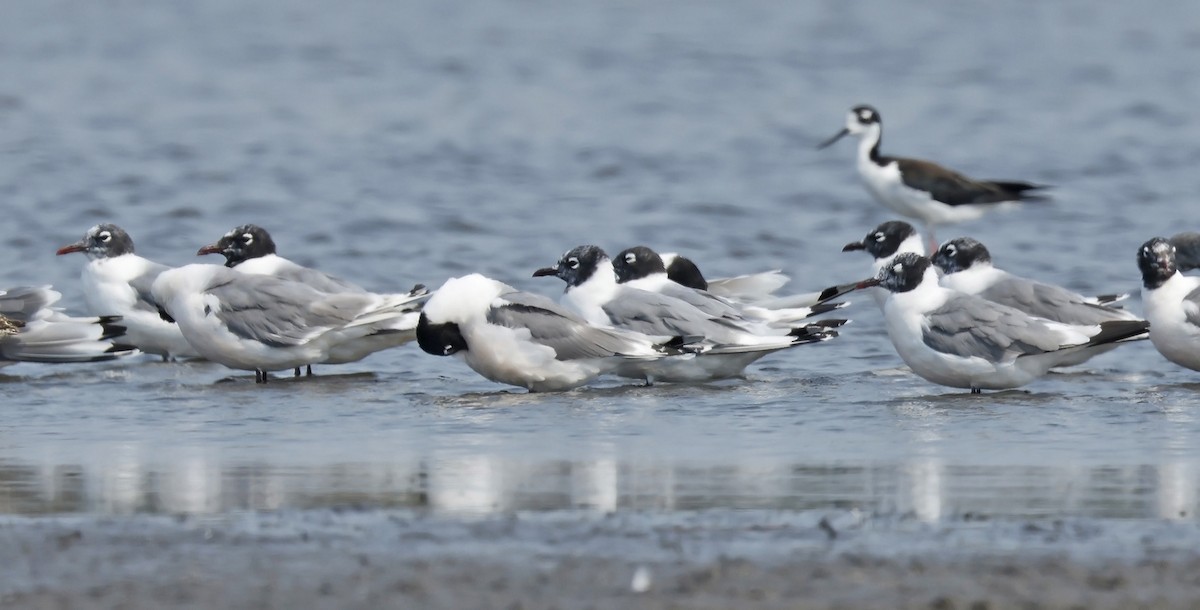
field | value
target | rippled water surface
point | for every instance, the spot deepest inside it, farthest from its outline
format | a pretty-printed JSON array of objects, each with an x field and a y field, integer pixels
[{"x": 402, "y": 142}]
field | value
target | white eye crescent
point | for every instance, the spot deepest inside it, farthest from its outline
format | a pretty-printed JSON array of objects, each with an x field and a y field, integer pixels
[
  {"x": 880, "y": 236},
  {"x": 631, "y": 258},
  {"x": 247, "y": 238},
  {"x": 573, "y": 263},
  {"x": 104, "y": 236},
  {"x": 950, "y": 249},
  {"x": 897, "y": 268}
]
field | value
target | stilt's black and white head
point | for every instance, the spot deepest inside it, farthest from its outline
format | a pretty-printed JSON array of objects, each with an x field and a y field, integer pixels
[
  {"x": 961, "y": 254},
  {"x": 578, "y": 265},
  {"x": 241, "y": 244},
  {"x": 887, "y": 239},
  {"x": 102, "y": 241},
  {"x": 903, "y": 274},
  {"x": 636, "y": 263},
  {"x": 681, "y": 270},
  {"x": 860, "y": 120},
  {"x": 1156, "y": 259}
]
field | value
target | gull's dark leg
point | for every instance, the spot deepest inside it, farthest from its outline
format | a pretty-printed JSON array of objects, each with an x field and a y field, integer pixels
[
  {"x": 309, "y": 370},
  {"x": 297, "y": 373}
]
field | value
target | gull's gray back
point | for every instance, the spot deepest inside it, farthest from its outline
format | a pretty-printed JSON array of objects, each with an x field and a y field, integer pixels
[
  {"x": 281, "y": 313},
  {"x": 548, "y": 323},
  {"x": 657, "y": 314},
  {"x": 970, "y": 326},
  {"x": 1050, "y": 302}
]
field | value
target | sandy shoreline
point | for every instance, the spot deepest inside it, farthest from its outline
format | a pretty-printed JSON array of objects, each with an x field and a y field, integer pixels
[{"x": 712, "y": 559}]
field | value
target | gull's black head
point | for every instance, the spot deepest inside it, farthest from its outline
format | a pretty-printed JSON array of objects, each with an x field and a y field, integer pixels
[
  {"x": 1156, "y": 259},
  {"x": 682, "y": 270},
  {"x": 961, "y": 254},
  {"x": 636, "y": 263},
  {"x": 439, "y": 339},
  {"x": 241, "y": 244},
  {"x": 102, "y": 241},
  {"x": 577, "y": 266},
  {"x": 885, "y": 240},
  {"x": 904, "y": 273}
]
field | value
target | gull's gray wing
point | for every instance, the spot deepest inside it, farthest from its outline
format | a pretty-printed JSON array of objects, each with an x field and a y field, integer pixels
[
  {"x": 1050, "y": 302},
  {"x": 281, "y": 313},
  {"x": 659, "y": 314},
  {"x": 705, "y": 301},
  {"x": 967, "y": 326},
  {"x": 571, "y": 337},
  {"x": 316, "y": 279}
]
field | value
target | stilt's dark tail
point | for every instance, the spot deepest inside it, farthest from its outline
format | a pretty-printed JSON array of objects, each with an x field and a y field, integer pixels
[{"x": 1023, "y": 191}]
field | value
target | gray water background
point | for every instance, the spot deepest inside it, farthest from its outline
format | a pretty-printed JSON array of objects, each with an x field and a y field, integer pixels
[{"x": 402, "y": 142}]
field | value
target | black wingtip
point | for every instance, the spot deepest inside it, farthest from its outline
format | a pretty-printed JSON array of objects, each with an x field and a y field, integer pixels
[
  {"x": 818, "y": 330},
  {"x": 109, "y": 330},
  {"x": 682, "y": 344},
  {"x": 162, "y": 313},
  {"x": 821, "y": 308},
  {"x": 1119, "y": 330},
  {"x": 120, "y": 349}
]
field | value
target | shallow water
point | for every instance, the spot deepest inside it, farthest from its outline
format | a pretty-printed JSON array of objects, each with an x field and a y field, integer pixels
[{"x": 395, "y": 143}]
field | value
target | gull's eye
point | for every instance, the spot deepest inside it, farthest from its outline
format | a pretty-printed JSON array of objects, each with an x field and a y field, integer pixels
[
  {"x": 247, "y": 238},
  {"x": 951, "y": 250},
  {"x": 104, "y": 236},
  {"x": 880, "y": 236},
  {"x": 630, "y": 258},
  {"x": 897, "y": 268},
  {"x": 573, "y": 262}
]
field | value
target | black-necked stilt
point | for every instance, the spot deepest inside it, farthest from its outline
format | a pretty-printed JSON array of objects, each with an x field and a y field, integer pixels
[
  {"x": 116, "y": 282},
  {"x": 919, "y": 189}
]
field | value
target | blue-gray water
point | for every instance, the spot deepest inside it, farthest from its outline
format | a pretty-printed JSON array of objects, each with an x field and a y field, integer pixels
[{"x": 402, "y": 142}]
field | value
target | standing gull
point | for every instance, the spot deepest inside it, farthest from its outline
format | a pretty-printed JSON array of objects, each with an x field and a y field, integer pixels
[
  {"x": 527, "y": 340},
  {"x": 967, "y": 267},
  {"x": 250, "y": 249},
  {"x": 642, "y": 268},
  {"x": 964, "y": 341},
  {"x": 1172, "y": 304},
  {"x": 116, "y": 282},
  {"x": 730, "y": 342},
  {"x": 263, "y": 323}
]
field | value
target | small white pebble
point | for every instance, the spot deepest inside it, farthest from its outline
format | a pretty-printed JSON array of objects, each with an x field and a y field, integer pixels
[{"x": 641, "y": 580}]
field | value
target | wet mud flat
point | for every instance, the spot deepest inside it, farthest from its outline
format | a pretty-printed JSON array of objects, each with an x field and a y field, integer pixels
[{"x": 704, "y": 559}]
